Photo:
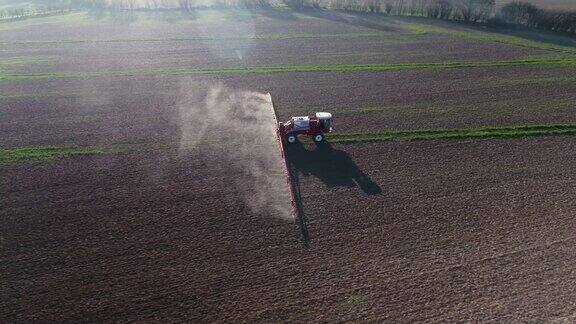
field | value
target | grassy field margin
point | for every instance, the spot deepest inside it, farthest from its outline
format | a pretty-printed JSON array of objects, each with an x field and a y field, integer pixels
[
  {"x": 44, "y": 153},
  {"x": 472, "y": 133},
  {"x": 50, "y": 153}
]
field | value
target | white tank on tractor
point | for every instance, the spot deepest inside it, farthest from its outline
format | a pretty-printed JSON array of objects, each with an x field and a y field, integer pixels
[{"x": 314, "y": 126}]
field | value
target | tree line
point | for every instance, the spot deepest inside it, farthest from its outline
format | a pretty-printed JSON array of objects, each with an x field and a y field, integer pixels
[
  {"x": 517, "y": 12},
  {"x": 527, "y": 14},
  {"x": 14, "y": 13},
  {"x": 466, "y": 10}
]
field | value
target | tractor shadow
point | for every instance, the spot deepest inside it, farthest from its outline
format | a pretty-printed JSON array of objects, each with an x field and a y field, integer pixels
[{"x": 335, "y": 168}]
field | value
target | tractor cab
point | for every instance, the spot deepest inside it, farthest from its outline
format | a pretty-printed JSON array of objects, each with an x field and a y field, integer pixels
[
  {"x": 314, "y": 126},
  {"x": 325, "y": 121}
]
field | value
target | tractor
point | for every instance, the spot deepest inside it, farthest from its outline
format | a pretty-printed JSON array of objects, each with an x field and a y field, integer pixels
[{"x": 314, "y": 126}]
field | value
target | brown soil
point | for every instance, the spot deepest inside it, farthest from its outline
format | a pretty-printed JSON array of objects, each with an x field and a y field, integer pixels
[
  {"x": 397, "y": 232},
  {"x": 251, "y": 42},
  {"x": 439, "y": 231},
  {"x": 94, "y": 112}
]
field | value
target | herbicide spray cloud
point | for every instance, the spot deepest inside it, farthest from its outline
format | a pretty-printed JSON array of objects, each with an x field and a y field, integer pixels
[{"x": 237, "y": 128}]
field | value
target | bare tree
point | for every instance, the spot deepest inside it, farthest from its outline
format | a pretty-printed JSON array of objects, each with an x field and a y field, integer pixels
[
  {"x": 474, "y": 10},
  {"x": 445, "y": 9},
  {"x": 186, "y": 5}
]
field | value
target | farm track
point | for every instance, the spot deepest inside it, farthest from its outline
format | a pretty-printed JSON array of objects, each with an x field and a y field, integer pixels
[{"x": 400, "y": 231}]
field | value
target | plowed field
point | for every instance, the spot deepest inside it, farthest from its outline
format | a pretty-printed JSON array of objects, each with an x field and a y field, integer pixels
[{"x": 140, "y": 179}]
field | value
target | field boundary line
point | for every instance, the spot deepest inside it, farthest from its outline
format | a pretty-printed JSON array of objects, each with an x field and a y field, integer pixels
[
  {"x": 448, "y": 134},
  {"x": 51, "y": 152}
]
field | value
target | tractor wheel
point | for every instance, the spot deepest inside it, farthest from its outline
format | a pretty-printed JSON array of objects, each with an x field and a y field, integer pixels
[
  {"x": 318, "y": 138},
  {"x": 291, "y": 139}
]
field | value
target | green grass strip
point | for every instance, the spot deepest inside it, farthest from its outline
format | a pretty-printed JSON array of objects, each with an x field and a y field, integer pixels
[
  {"x": 16, "y": 62},
  {"x": 337, "y": 68},
  {"x": 49, "y": 153},
  {"x": 435, "y": 134},
  {"x": 44, "y": 153}
]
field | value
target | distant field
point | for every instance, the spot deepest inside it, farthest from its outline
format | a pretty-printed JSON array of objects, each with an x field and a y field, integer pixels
[{"x": 141, "y": 178}]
